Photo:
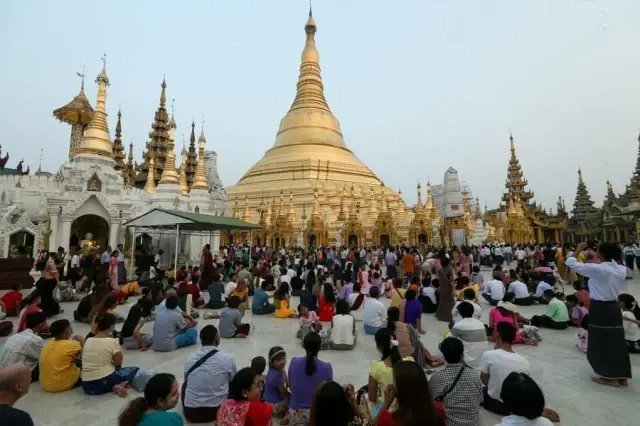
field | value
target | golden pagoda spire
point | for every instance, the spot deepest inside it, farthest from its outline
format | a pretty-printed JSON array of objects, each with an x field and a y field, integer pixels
[
  {"x": 309, "y": 108},
  {"x": 429, "y": 204},
  {"x": 169, "y": 174},
  {"x": 246, "y": 216},
  {"x": 118, "y": 148},
  {"x": 516, "y": 181},
  {"x": 419, "y": 203},
  {"x": 150, "y": 185},
  {"x": 310, "y": 93},
  {"x": 96, "y": 139},
  {"x": 200, "y": 178},
  {"x": 184, "y": 186},
  {"x": 342, "y": 214}
]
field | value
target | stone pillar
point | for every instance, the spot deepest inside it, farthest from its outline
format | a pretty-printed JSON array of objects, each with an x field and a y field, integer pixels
[
  {"x": 617, "y": 234},
  {"x": 540, "y": 235},
  {"x": 215, "y": 242},
  {"x": 114, "y": 232},
  {"x": 66, "y": 232},
  {"x": 53, "y": 238},
  {"x": 555, "y": 233}
]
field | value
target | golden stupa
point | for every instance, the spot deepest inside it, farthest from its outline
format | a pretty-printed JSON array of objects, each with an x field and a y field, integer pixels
[{"x": 310, "y": 154}]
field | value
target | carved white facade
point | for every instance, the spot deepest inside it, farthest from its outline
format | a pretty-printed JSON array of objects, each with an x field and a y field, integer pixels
[{"x": 89, "y": 185}]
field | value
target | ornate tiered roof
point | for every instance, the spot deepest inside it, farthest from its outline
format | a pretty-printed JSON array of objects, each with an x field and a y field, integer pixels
[
  {"x": 158, "y": 143},
  {"x": 118, "y": 148},
  {"x": 583, "y": 205},
  {"x": 516, "y": 182},
  {"x": 192, "y": 157}
]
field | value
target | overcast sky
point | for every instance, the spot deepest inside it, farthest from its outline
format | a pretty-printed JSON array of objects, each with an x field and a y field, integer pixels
[{"x": 418, "y": 86}]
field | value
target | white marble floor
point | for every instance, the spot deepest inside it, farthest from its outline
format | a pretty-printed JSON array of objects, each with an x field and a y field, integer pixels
[{"x": 562, "y": 371}]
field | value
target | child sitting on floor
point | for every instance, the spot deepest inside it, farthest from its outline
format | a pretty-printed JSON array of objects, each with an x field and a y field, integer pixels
[
  {"x": 276, "y": 386},
  {"x": 577, "y": 311},
  {"x": 308, "y": 321}
]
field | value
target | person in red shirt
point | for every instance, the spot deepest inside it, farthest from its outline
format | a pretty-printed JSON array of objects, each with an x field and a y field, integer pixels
[
  {"x": 194, "y": 289},
  {"x": 12, "y": 300}
]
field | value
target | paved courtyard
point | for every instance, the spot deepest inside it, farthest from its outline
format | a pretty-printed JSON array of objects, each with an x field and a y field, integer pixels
[{"x": 562, "y": 371}]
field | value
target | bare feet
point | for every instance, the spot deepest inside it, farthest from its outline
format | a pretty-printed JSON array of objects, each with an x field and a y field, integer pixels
[
  {"x": 121, "y": 390},
  {"x": 241, "y": 336},
  {"x": 623, "y": 382},
  {"x": 551, "y": 415},
  {"x": 422, "y": 332},
  {"x": 605, "y": 382}
]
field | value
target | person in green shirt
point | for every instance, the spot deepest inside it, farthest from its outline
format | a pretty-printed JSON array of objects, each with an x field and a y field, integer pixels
[
  {"x": 557, "y": 316},
  {"x": 160, "y": 395}
]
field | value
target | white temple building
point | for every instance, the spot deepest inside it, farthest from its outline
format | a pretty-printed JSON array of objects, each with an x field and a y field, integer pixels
[{"x": 94, "y": 192}]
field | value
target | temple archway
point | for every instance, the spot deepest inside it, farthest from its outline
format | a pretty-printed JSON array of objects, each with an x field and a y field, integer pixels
[
  {"x": 89, "y": 225},
  {"x": 422, "y": 238},
  {"x": 353, "y": 240},
  {"x": 312, "y": 240},
  {"x": 385, "y": 241}
]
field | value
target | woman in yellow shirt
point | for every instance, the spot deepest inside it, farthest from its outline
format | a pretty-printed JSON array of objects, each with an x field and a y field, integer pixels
[
  {"x": 241, "y": 292},
  {"x": 397, "y": 294},
  {"x": 58, "y": 359},
  {"x": 281, "y": 300}
]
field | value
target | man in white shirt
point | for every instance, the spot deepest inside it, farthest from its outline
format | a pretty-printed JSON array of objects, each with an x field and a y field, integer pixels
[
  {"x": 207, "y": 386},
  {"x": 497, "y": 256},
  {"x": 472, "y": 333},
  {"x": 493, "y": 291},
  {"x": 469, "y": 295},
  {"x": 520, "y": 256},
  {"x": 374, "y": 316},
  {"x": 520, "y": 290},
  {"x": 24, "y": 348},
  {"x": 507, "y": 254},
  {"x": 496, "y": 365},
  {"x": 541, "y": 287},
  {"x": 390, "y": 260}
]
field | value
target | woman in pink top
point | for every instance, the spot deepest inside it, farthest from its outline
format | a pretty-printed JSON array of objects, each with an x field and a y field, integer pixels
[
  {"x": 503, "y": 314},
  {"x": 113, "y": 270},
  {"x": 465, "y": 268}
]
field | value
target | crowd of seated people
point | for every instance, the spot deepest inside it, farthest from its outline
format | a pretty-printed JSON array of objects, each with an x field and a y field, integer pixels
[{"x": 224, "y": 393}]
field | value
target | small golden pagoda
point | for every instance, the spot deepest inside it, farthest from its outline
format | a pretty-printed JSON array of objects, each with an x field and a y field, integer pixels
[
  {"x": 541, "y": 226},
  {"x": 77, "y": 113},
  {"x": 316, "y": 233},
  {"x": 309, "y": 155},
  {"x": 421, "y": 229},
  {"x": 385, "y": 227},
  {"x": 353, "y": 231}
]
